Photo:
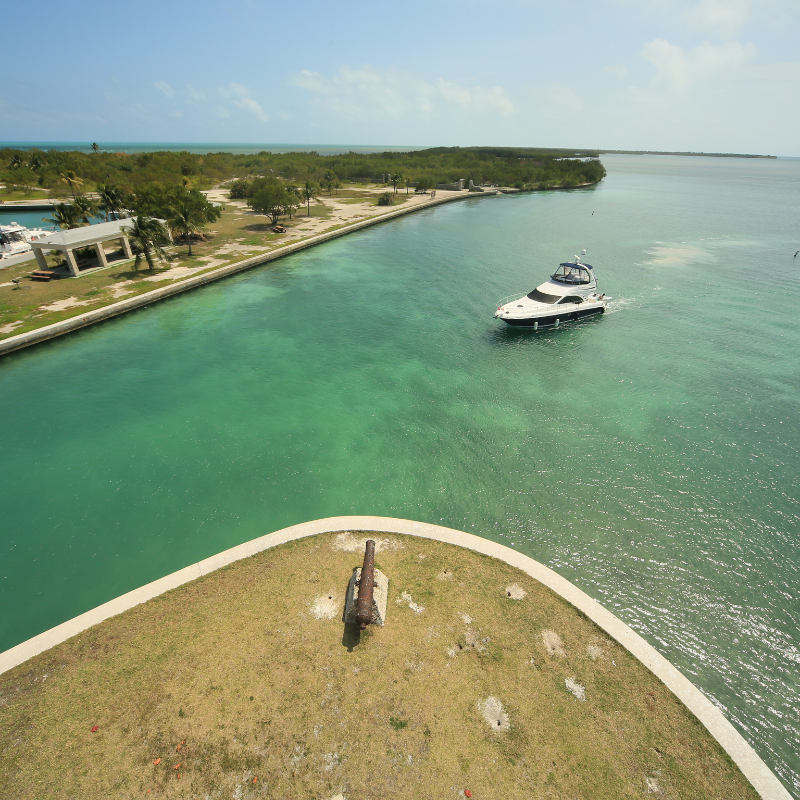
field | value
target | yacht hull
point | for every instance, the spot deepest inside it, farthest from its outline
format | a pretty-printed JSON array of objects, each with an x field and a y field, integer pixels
[{"x": 554, "y": 319}]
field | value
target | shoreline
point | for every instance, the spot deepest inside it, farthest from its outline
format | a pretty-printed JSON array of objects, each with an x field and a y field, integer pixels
[
  {"x": 45, "y": 333},
  {"x": 755, "y": 770}
]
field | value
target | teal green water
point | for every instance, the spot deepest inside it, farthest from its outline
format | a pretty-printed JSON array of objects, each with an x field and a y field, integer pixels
[{"x": 650, "y": 456}]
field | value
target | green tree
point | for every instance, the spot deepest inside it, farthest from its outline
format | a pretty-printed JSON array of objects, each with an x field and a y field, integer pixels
[
  {"x": 408, "y": 180},
  {"x": 329, "y": 180},
  {"x": 398, "y": 177},
  {"x": 85, "y": 207},
  {"x": 16, "y": 161},
  {"x": 240, "y": 190},
  {"x": 148, "y": 234},
  {"x": 424, "y": 184},
  {"x": 65, "y": 216},
  {"x": 95, "y": 147},
  {"x": 71, "y": 180},
  {"x": 308, "y": 192},
  {"x": 20, "y": 178},
  {"x": 185, "y": 220},
  {"x": 386, "y": 199},
  {"x": 268, "y": 197},
  {"x": 111, "y": 198}
]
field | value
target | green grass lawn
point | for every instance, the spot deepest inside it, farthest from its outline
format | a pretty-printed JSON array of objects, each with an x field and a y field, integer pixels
[{"x": 246, "y": 683}]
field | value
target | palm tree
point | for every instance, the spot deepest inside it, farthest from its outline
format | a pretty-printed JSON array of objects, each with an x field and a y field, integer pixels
[
  {"x": 16, "y": 162},
  {"x": 397, "y": 178},
  {"x": 95, "y": 147},
  {"x": 72, "y": 180},
  {"x": 65, "y": 215},
  {"x": 308, "y": 193},
  {"x": 86, "y": 207},
  {"x": 185, "y": 221},
  {"x": 111, "y": 198},
  {"x": 147, "y": 233}
]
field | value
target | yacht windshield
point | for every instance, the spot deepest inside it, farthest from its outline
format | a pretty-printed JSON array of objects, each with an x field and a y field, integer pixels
[
  {"x": 572, "y": 274},
  {"x": 541, "y": 297}
]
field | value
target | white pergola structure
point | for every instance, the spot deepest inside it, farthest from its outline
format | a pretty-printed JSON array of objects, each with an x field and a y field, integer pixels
[{"x": 93, "y": 236}]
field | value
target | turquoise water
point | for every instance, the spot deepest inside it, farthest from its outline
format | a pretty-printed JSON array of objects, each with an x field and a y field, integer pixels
[
  {"x": 28, "y": 219},
  {"x": 650, "y": 456}
]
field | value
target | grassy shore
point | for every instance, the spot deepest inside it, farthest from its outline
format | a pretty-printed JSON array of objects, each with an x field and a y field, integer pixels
[
  {"x": 246, "y": 684},
  {"x": 239, "y": 234}
]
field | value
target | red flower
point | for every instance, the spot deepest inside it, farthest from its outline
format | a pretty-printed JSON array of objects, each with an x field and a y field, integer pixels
[
  {"x": 467, "y": 793},
  {"x": 95, "y": 729},
  {"x": 157, "y": 761}
]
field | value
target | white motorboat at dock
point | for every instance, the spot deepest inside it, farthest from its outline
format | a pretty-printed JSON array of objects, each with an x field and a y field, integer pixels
[
  {"x": 569, "y": 295},
  {"x": 16, "y": 239}
]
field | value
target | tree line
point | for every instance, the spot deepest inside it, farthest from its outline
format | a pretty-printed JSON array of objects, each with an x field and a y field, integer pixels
[{"x": 506, "y": 166}]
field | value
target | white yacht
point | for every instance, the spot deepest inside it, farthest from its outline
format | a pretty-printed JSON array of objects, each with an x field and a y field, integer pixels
[
  {"x": 569, "y": 295},
  {"x": 15, "y": 239}
]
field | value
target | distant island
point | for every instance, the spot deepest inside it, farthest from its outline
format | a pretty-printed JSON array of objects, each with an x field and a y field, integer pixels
[{"x": 680, "y": 153}]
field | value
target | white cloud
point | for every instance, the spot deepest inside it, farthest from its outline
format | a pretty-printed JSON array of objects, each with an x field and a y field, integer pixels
[
  {"x": 678, "y": 69},
  {"x": 164, "y": 87},
  {"x": 251, "y": 105},
  {"x": 369, "y": 93},
  {"x": 194, "y": 95},
  {"x": 725, "y": 17},
  {"x": 234, "y": 90}
]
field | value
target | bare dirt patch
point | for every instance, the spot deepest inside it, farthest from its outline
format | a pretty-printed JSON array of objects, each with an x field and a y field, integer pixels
[{"x": 553, "y": 644}]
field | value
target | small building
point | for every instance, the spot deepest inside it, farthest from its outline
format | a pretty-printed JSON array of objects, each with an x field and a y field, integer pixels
[{"x": 93, "y": 236}]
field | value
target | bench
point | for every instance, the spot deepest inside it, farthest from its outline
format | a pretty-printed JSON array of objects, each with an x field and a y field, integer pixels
[{"x": 42, "y": 275}]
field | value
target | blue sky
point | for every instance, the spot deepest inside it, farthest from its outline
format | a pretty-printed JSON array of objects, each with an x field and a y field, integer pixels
[{"x": 712, "y": 75}]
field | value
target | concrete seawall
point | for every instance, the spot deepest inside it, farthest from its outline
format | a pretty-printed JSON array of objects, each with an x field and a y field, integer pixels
[
  {"x": 29, "y": 338},
  {"x": 755, "y": 770}
]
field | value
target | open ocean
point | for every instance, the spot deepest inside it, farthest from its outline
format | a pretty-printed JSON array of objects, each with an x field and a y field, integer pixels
[
  {"x": 213, "y": 147},
  {"x": 651, "y": 456}
]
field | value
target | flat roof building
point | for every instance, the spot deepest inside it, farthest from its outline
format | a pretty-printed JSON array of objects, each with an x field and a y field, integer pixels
[{"x": 94, "y": 236}]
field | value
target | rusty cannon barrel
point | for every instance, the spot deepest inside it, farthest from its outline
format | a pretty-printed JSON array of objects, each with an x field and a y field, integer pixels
[{"x": 365, "y": 586}]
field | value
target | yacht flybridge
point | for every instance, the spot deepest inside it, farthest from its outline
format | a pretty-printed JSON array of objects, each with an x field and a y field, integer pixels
[{"x": 569, "y": 295}]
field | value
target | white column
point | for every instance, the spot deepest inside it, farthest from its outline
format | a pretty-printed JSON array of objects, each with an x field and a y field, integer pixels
[
  {"x": 126, "y": 247},
  {"x": 101, "y": 254},
  {"x": 40, "y": 259},
  {"x": 72, "y": 264}
]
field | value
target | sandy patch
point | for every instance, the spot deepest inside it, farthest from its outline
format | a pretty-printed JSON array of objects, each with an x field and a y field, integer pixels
[
  {"x": 595, "y": 653},
  {"x": 67, "y": 302},
  {"x": 230, "y": 248},
  {"x": 10, "y": 327},
  {"x": 445, "y": 575},
  {"x": 574, "y": 688},
  {"x": 176, "y": 272},
  {"x": 492, "y": 710},
  {"x": 515, "y": 592},
  {"x": 120, "y": 290},
  {"x": 348, "y": 543},
  {"x": 405, "y": 597},
  {"x": 326, "y": 606},
  {"x": 653, "y": 787},
  {"x": 553, "y": 644}
]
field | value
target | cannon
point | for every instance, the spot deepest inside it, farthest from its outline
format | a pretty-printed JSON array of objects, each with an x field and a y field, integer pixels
[{"x": 366, "y": 584}]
